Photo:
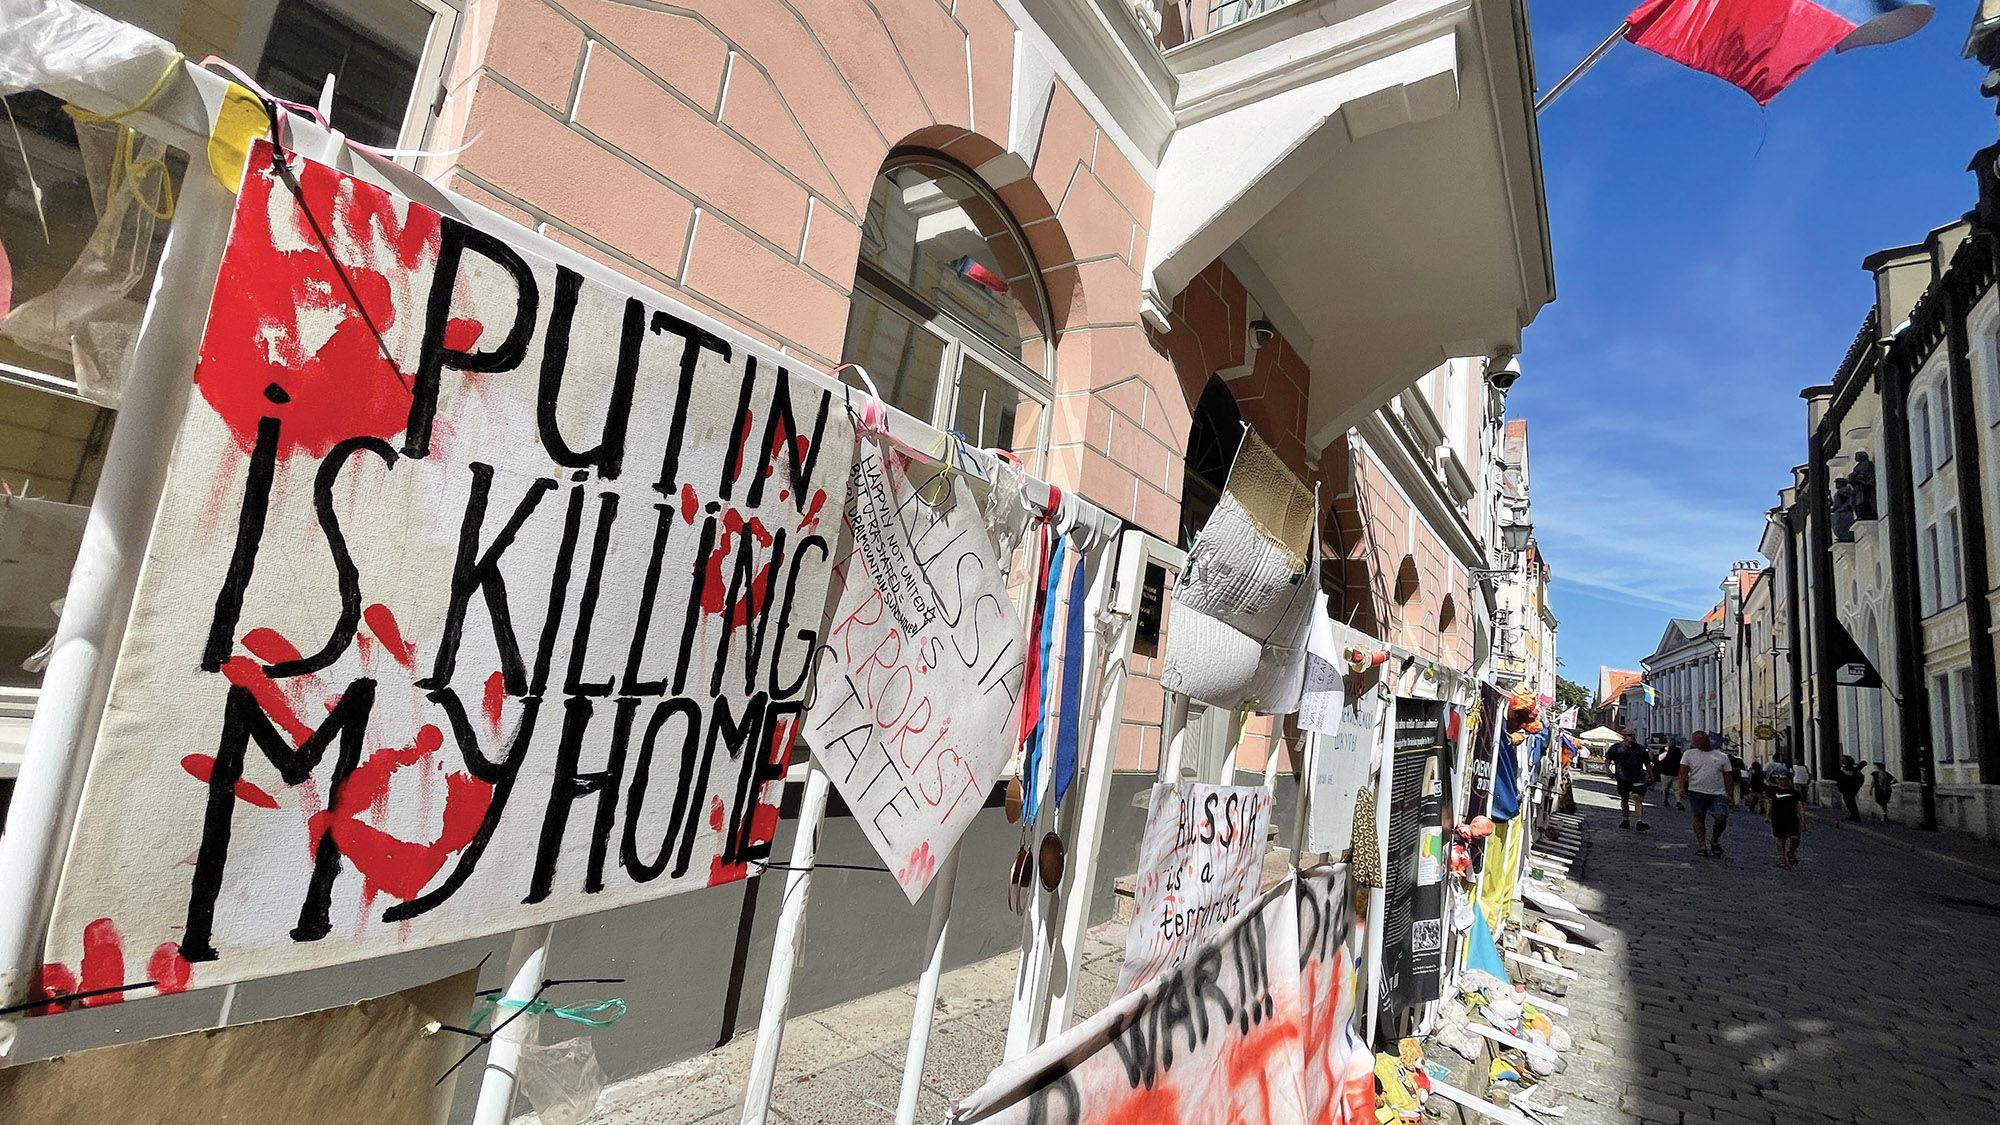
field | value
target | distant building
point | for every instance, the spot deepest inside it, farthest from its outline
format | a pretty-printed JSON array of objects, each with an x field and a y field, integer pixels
[
  {"x": 1685, "y": 670},
  {"x": 1614, "y": 705}
]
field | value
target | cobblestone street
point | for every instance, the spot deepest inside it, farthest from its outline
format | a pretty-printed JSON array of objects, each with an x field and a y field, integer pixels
[{"x": 1857, "y": 988}]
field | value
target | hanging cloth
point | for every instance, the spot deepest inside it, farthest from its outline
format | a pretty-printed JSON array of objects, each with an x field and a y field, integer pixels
[
  {"x": 1045, "y": 602},
  {"x": 1070, "y": 718}
]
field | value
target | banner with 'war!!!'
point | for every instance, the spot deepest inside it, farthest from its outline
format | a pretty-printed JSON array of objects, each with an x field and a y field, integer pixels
[{"x": 480, "y": 595}]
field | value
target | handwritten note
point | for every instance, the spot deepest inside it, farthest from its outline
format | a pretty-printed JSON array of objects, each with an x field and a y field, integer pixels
[
  {"x": 918, "y": 684},
  {"x": 1198, "y": 867}
]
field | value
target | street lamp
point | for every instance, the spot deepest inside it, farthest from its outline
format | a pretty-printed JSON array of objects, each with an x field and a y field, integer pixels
[{"x": 1514, "y": 538}]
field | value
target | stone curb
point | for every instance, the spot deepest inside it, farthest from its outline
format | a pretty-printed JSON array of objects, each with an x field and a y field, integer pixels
[{"x": 1965, "y": 865}]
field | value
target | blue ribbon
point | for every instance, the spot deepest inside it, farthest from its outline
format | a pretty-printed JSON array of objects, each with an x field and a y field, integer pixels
[
  {"x": 1072, "y": 689},
  {"x": 1031, "y": 768}
]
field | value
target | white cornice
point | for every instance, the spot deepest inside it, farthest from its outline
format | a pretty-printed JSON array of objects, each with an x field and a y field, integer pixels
[
  {"x": 1107, "y": 61},
  {"x": 1420, "y": 486}
]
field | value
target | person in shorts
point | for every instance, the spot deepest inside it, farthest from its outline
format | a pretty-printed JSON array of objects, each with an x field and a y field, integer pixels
[
  {"x": 1708, "y": 784},
  {"x": 1781, "y": 808},
  {"x": 1670, "y": 768},
  {"x": 1632, "y": 768}
]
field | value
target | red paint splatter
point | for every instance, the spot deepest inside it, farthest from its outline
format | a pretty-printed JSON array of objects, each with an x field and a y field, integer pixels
[
  {"x": 269, "y": 646},
  {"x": 103, "y": 966},
  {"x": 690, "y": 503},
  {"x": 810, "y": 520},
  {"x": 1146, "y": 1107},
  {"x": 716, "y": 812},
  {"x": 170, "y": 971},
  {"x": 202, "y": 767},
  {"x": 720, "y": 872},
  {"x": 461, "y": 333},
  {"x": 383, "y": 624},
  {"x": 248, "y": 674},
  {"x": 272, "y": 307},
  {"x": 743, "y": 441},
  {"x": 401, "y": 867},
  {"x": 496, "y": 697}
]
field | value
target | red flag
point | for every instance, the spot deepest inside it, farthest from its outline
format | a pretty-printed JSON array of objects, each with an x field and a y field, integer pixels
[{"x": 1761, "y": 45}]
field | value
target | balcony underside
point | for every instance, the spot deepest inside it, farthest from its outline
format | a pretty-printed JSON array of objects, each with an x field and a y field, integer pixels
[{"x": 1372, "y": 171}]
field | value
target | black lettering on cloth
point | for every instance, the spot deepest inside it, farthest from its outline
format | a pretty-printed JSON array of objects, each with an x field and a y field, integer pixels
[
  {"x": 764, "y": 760},
  {"x": 785, "y": 634},
  {"x": 244, "y": 722},
  {"x": 630, "y": 683},
  {"x": 757, "y": 618},
  {"x": 740, "y": 739},
  {"x": 586, "y": 608},
  {"x": 640, "y": 869},
  {"x": 558, "y": 591},
  {"x": 783, "y": 425},
  {"x": 692, "y": 621},
  {"x": 697, "y": 338},
  {"x": 739, "y": 429},
  {"x": 570, "y": 786},
  {"x": 1052, "y": 1084},
  {"x": 608, "y": 455},
  {"x": 249, "y": 535},
  {"x": 481, "y": 572},
  {"x": 455, "y": 238},
  {"x": 346, "y": 576},
  {"x": 500, "y": 775}
]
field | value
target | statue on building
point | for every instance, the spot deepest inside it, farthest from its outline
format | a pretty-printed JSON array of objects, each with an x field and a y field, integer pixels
[
  {"x": 1861, "y": 480},
  {"x": 1843, "y": 511}
]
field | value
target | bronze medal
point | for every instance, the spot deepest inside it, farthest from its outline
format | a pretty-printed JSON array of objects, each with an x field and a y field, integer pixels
[
  {"x": 1016, "y": 798},
  {"x": 1052, "y": 861},
  {"x": 1019, "y": 879}
]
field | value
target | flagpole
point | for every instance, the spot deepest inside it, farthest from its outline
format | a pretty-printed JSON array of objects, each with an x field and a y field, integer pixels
[{"x": 1589, "y": 61}]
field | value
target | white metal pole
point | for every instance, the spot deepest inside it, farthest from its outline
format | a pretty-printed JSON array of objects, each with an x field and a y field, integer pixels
[
  {"x": 526, "y": 961},
  {"x": 1589, "y": 61},
  {"x": 927, "y": 989},
  {"x": 785, "y": 951},
  {"x": 1107, "y": 718},
  {"x": 1173, "y": 737},
  {"x": 1385, "y": 755},
  {"x": 99, "y": 597}
]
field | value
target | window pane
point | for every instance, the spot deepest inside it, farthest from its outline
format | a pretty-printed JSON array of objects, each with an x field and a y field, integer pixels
[
  {"x": 38, "y": 338},
  {"x": 901, "y": 357},
  {"x": 51, "y": 450},
  {"x": 936, "y": 236},
  {"x": 373, "y": 61},
  {"x": 993, "y": 414},
  {"x": 1942, "y": 441}
]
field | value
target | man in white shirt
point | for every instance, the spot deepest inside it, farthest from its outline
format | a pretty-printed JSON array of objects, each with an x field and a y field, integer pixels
[{"x": 1708, "y": 783}]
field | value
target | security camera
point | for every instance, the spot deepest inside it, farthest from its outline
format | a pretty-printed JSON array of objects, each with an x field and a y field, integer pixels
[
  {"x": 1503, "y": 374},
  {"x": 1261, "y": 332}
]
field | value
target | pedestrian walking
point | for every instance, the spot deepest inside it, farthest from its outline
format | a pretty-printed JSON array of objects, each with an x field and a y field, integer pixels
[
  {"x": 1881, "y": 787},
  {"x": 1782, "y": 810},
  {"x": 1670, "y": 768},
  {"x": 1631, "y": 766},
  {"x": 1708, "y": 785},
  {"x": 1755, "y": 801},
  {"x": 1849, "y": 783}
]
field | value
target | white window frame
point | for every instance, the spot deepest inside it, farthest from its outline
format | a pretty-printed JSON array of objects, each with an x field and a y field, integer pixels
[
  {"x": 1920, "y": 436},
  {"x": 1943, "y": 446},
  {"x": 1927, "y": 569},
  {"x": 1943, "y": 741},
  {"x": 1951, "y": 585}
]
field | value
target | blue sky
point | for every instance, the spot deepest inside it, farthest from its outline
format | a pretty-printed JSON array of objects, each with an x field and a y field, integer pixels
[{"x": 1708, "y": 266}]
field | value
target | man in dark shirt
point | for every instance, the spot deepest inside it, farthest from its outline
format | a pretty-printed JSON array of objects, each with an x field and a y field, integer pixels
[
  {"x": 1630, "y": 766},
  {"x": 1670, "y": 768}
]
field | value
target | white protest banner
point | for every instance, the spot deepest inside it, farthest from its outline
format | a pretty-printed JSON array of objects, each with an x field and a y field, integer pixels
[
  {"x": 1199, "y": 863},
  {"x": 1340, "y": 768},
  {"x": 1339, "y": 1067},
  {"x": 480, "y": 595},
  {"x": 1325, "y": 684},
  {"x": 1218, "y": 1039},
  {"x": 916, "y": 698}
]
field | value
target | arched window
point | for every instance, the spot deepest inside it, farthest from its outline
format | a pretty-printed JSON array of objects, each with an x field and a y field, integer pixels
[
  {"x": 948, "y": 315},
  {"x": 1213, "y": 435},
  {"x": 1448, "y": 627},
  {"x": 1406, "y": 582}
]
